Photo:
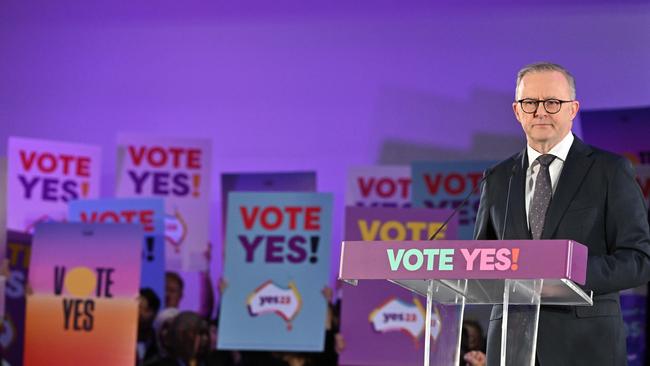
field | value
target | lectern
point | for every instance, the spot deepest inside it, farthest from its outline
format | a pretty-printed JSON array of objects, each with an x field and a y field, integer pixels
[{"x": 521, "y": 275}]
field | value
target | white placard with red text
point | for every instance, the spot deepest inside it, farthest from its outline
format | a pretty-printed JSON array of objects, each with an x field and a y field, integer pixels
[
  {"x": 177, "y": 170},
  {"x": 43, "y": 176},
  {"x": 379, "y": 186}
]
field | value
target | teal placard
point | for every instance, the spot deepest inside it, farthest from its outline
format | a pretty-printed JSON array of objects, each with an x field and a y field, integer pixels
[{"x": 276, "y": 265}]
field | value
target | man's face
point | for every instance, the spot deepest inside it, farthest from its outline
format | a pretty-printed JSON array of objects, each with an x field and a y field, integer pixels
[
  {"x": 173, "y": 293},
  {"x": 544, "y": 130},
  {"x": 474, "y": 340},
  {"x": 145, "y": 313}
]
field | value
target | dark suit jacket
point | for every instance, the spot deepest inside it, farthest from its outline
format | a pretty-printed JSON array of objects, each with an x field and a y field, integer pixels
[{"x": 598, "y": 203}]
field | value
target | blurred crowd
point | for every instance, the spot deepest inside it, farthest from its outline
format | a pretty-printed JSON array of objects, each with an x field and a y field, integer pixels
[{"x": 170, "y": 337}]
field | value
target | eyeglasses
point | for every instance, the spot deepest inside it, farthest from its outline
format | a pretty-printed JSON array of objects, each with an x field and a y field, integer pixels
[{"x": 551, "y": 106}]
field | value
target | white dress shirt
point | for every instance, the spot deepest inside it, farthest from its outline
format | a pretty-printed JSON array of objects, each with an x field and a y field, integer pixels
[{"x": 561, "y": 150}]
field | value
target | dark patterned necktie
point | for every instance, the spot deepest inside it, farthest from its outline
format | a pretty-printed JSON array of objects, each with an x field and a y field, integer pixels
[{"x": 541, "y": 196}]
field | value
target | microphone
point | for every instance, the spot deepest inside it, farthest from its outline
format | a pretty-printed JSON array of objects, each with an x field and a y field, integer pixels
[
  {"x": 488, "y": 172},
  {"x": 505, "y": 215}
]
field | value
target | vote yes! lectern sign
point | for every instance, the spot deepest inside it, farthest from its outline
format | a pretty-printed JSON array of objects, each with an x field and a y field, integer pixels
[{"x": 465, "y": 259}]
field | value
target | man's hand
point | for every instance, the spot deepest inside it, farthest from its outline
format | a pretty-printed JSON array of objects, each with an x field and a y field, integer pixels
[{"x": 475, "y": 358}]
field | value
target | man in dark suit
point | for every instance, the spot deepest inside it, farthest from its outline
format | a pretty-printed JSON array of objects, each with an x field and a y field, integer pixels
[{"x": 562, "y": 188}]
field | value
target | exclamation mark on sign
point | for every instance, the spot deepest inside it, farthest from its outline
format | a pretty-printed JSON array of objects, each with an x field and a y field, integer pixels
[
  {"x": 515, "y": 259},
  {"x": 314, "y": 249},
  {"x": 196, "y": 180},
  {"x": 84, "y": 189},
  {"x": 149, "y": 248}
]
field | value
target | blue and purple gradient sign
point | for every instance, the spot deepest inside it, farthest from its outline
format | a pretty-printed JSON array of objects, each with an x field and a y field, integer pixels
[
  {"x": 625, "y": 131},
  {"x": 378, "y": 317},
  {"x": 148, "y": 212},
  {"x": 276, "y": 265}
]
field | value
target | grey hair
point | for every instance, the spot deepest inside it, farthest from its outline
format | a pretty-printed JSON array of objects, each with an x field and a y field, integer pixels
[{"x": 546, "y": 66}]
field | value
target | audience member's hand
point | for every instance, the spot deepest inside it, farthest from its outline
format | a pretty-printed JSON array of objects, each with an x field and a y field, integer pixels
[
  {"x": 222, "y": 285},
  {"x": 339, "y": 343},
  {"x": 208, "y": 252},
  {"x": 475, "y": 358},
  {"x": 327, "y": 293},
  {"x": 4, "y": 268}
]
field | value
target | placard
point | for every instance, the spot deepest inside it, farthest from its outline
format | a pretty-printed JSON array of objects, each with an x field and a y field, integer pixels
[
  {"x": 84, "y": 308},
  {"x": 43, "y": 176},
  {"x": 379, "y": 186},
  {"x": 147, "y": 212},
  {"x": 276, "y": 266},
  {"x": 379, "y": 317},
  {"x": 177, "y": 170},
  {"x": 446, "y": 184}
]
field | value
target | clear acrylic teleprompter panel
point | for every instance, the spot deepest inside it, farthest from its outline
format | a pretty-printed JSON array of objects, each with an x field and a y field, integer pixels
[
  {"x": 519, "y": 323},
  {"x": 519, "y": 319}
]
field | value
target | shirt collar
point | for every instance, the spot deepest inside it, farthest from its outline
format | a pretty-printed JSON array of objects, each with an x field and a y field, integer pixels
[{"x": 561, "y": 150}]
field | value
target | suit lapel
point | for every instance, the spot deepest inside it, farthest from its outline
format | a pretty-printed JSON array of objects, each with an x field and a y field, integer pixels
[
  {"x": 575, "y": 169},
  {"x": 519, "y": 229}
]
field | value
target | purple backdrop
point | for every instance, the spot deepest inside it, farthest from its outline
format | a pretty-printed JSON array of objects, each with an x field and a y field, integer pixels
[{"x": 335, "y": 84}]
